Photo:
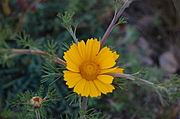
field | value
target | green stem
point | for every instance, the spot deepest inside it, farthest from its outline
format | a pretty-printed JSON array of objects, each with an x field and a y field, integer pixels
[
  {"x": 83, "y": 107},
  {"x": 73, "y": 35},
  {"x": 37, "y": 115}
]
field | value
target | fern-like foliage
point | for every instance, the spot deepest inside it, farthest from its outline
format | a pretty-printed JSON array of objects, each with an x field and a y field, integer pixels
[
  {"x": 24, "y": 40},
  {"x": 69, "y": 24}
]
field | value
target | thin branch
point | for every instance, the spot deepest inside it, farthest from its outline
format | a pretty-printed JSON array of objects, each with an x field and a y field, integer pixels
[
  {"x": 108, "y": 31},
  {"x": 114, "y": 20},
  {"x": 128, "y": 76},
  {"x": 37, "y": 52},
  {"x": 155, "y": 87}
]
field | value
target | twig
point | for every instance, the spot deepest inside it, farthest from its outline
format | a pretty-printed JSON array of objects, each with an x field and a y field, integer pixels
[
  {"x": 114, "y": 20},
  {"x": 36, "y": 52},
  {"x": 122, "y": 75}
]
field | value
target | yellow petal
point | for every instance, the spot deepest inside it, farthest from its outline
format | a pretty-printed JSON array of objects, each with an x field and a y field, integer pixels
[
  {"x": 96, "y": 47},
  {"x": 94, "y": 92},
  {"x": 105, "y": 78},
  {"x": 81, "y": 49},
  {"x": 73, "y": 58},
  {"x": 89, "y": 45},
  {"x": 92, "y": 48},
  {"x": 86, "y": 89},
  {"x": 117, "y": 70},
  {"x": 115, "y": 55},
  {"x": 102, "y": 87},
  {"x": 72, "y": 67},
  {"x": 112, "y": 70},
  {"x": 80, "y": 86},
  {"x": 103, "y": 71},
  {"x": 73, "y": 55},
  {"x": 110, "y": 87},
  {"x": 105, "y": 58},
  {"x": 72, "y": 78},
  {"x": 69, "y": 75}
]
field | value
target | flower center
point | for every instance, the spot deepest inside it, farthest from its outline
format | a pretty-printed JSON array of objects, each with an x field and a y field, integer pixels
[{"x": 89, "y": 70}]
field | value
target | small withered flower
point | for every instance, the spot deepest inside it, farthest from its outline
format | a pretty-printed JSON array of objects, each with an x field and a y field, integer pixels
[{"x": 36, "y": 101}]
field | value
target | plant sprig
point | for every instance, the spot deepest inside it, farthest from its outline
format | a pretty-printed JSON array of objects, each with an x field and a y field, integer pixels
[
  {"x": 68, "y": 23},
  {"x": 25, "y": 40}
]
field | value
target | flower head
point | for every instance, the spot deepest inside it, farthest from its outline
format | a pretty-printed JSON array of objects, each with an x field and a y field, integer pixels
[
  {"x": 36, "y": 101},
  {"x": 88, "y": 67}
]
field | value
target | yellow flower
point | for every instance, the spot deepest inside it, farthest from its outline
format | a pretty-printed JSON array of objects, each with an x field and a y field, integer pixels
[{"x": 88, "y": 67}]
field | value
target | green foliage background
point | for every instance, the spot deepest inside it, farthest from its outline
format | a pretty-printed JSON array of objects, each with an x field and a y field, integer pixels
[{"x": 20, "y": 73}]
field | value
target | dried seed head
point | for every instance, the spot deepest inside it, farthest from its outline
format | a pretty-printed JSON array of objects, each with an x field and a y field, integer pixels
[{"x": 36, "y": 101}]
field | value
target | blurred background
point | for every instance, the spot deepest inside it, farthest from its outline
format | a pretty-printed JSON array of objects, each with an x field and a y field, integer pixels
[{"x": 148, "y": 43}]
